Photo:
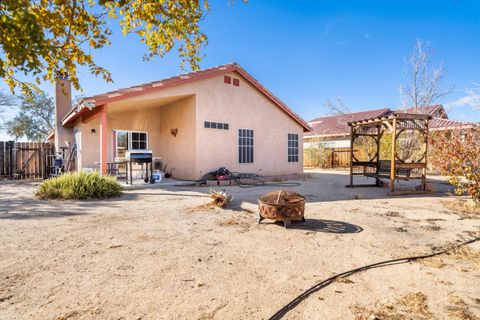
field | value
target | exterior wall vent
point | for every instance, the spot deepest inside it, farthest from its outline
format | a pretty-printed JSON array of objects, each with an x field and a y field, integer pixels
[
  {"x": 227, "y": 79},
  {"x": 236, "y": 82}
]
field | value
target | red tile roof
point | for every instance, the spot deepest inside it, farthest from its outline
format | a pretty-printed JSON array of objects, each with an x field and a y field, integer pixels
[
  {"x": 438, "y": 124},
  {"x": 430, "y": 110},
  {"x": 337, "y": 125},
  {"x": 120, "y": 94}
]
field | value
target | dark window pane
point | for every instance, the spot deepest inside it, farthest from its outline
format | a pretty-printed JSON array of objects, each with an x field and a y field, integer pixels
[
  {"x": 225, "y": 126},
  {"x": 213, "y": 125},
  {"x": 206, "y": 124},
  {"x": 143, "y": 136},
  {"x": 219, "y": 125},
  {"x": 135, "y": 145}
]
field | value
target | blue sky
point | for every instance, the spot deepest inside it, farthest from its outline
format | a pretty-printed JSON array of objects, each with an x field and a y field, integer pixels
[{"x": 308, "y": 51}]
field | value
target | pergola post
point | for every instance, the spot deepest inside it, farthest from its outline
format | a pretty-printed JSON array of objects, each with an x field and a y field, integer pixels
[
  {"x": 392, "y": 160},
  {"x": 377, "y": 172},
  {"x": 424, "y": 169},
  {"x": 351, "y": 156}
]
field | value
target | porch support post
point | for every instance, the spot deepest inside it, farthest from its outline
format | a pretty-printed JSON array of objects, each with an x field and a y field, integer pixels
[
  {"x": 392, "y": 161},
  {"x": 103, "y": 140}
]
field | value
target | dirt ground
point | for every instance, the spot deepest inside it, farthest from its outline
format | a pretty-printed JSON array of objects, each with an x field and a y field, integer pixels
[{"x": 155, "y": 254}]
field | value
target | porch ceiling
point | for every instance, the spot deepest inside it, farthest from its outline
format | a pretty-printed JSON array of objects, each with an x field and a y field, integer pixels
[{"x": 139, "y": 102}]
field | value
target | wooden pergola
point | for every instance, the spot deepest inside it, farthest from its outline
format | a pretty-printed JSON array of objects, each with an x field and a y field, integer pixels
[{"x": 401, "y": 126}]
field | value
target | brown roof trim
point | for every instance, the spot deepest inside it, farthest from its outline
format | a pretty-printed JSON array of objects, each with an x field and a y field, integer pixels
[
  {"x": 50, "y": 136},
  {"x": 125, "y": 93}
]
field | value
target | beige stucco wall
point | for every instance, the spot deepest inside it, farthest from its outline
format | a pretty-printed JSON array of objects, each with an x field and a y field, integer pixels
[
  {"x": 243, "y": 107},
  {"x": 197, "y": 150},
  {"x": 89, "y": 152}
]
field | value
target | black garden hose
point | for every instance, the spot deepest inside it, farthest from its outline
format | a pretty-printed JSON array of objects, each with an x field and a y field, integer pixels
[{"x": 325, "y": 283}]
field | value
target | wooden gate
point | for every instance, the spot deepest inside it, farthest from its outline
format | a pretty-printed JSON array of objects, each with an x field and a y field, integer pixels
[{"x": 26, "y": 160}]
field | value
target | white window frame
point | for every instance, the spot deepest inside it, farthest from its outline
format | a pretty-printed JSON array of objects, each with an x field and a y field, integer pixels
[
  {"x": 129, "y": 132},
  {"x": 244, "y": 145},
  {"x": 294, "y": 155}
]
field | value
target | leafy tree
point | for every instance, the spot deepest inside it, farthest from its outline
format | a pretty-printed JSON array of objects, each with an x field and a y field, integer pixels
[
  {"x": 457, "y": 155},
  {"x": 45, "y": 38},
  {"x": 34, "y": 119}
]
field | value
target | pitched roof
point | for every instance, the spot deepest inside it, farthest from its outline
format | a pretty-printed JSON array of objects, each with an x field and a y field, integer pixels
[
  {"x": 337, "y": 125},
  {"x": 438, "y": 124},
  {"x": 430, "y": 110},
  {"x": 86, "y": 104}
]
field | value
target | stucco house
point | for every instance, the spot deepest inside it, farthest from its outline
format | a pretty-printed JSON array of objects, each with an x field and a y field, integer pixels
[
  {"x": 333, "y": 131},
  {"x": 196, "y": 122}
]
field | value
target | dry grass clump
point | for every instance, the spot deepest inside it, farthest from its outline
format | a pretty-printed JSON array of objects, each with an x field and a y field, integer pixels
[
  {"x": 411, "y": 306},
  {"x": 459, "y": 310},
  {"x": 466, "y": 253},
  {"x": 463, "y": 207},
  {"x": 201, "y": 208},
  {"x": 235, "y": 222}
]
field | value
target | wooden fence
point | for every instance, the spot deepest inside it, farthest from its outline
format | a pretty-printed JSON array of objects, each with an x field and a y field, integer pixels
[
  {"x": 327, "y": 158},
  {"x": 26, "y": 160}
]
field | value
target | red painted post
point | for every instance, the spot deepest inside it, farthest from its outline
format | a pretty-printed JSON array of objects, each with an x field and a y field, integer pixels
[{"x": 103, "y": 140}]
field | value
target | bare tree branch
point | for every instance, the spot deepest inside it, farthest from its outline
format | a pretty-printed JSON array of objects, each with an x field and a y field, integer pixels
[{"x": 425, "y": 82}]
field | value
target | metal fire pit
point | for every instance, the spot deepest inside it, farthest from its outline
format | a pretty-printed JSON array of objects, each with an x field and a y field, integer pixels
[{"x": 281, "y": 205}]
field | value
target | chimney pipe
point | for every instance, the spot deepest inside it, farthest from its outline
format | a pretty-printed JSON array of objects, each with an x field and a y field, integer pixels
[{"x": 63, "y": 104}]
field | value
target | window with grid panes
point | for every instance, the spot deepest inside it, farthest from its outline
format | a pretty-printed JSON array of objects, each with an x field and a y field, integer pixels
[
  {"x": 292, "y": 147},
  {"x": 245, "y": 146}
]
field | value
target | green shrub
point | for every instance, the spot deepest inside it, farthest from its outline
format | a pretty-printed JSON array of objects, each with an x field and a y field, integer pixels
[{"x": 79, "y": 185}]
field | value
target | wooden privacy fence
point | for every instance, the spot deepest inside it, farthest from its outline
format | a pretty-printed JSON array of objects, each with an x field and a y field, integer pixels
[
  {"x": 327, "y": 157},
  {"x": 26, "y": 160}
]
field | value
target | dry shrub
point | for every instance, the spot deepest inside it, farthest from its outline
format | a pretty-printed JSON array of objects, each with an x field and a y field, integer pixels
[
  {"x": 79, "y": 186},
  {"x": 457, "y": 154}
]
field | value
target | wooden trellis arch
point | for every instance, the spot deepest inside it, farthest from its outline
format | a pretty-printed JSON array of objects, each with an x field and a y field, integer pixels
[{"x": 395, "y": 168}]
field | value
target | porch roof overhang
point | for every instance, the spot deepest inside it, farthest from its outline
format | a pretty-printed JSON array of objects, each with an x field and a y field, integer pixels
[{"x": 86, "y": 105}]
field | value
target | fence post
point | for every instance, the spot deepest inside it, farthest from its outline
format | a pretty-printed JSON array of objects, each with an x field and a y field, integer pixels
[
  {"x": 2, "y": 160},
  {"x": 10, "y": 145}
]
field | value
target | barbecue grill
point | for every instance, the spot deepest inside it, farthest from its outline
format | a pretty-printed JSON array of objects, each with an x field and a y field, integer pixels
[
  {"x": 281, "y": 205},
  {"x": 140, "y": 157}
]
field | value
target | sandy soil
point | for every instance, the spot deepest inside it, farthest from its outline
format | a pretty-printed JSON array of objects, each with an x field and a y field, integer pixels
[{"x": 152, "y": 254}]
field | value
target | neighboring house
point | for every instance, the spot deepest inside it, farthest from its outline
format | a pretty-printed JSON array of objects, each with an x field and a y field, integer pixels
[
  {"x": 196, "y": 122},
  {"x": 334, "y": 132}
]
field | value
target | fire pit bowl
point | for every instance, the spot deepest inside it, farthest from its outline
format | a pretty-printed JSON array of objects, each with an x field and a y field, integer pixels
[{"x": 281, "y": 205}]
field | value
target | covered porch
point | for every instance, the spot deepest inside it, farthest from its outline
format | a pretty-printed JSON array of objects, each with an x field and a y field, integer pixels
[{"x": 162, "y": 125}]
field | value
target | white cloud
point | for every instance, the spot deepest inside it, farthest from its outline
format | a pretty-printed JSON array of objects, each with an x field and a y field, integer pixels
[
  {"x": 329, "y": 26},
  {"x": 471, "y": 99}
]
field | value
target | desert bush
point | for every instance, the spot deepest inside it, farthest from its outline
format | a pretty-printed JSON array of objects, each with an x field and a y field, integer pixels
[
  {"x": 79, "y": 186},
  {"x": 457, "y": 155},
  {"x": 317, "y": 156}
]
